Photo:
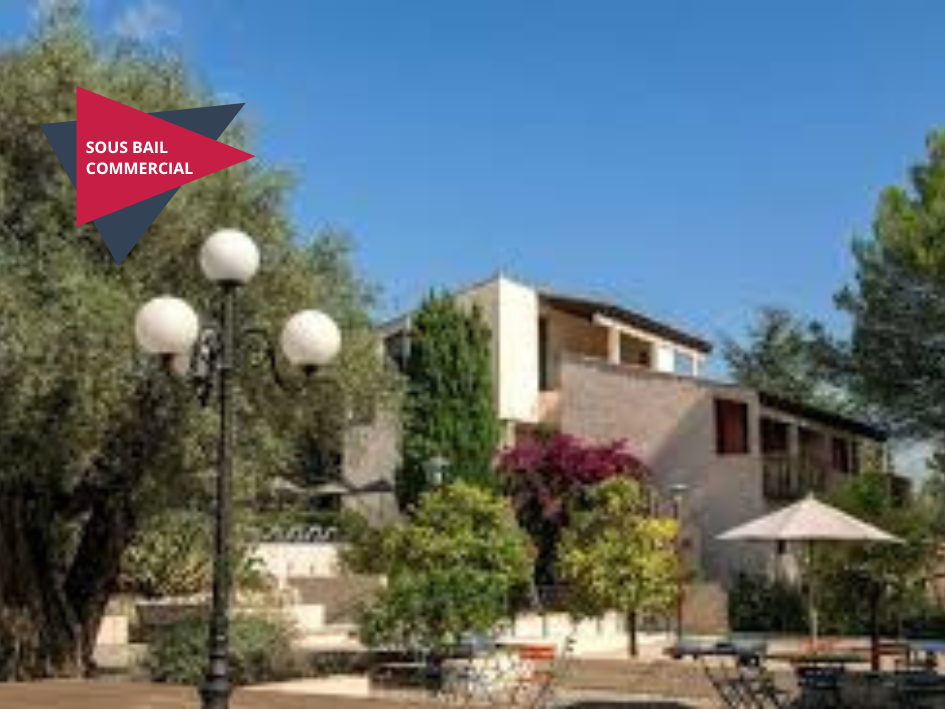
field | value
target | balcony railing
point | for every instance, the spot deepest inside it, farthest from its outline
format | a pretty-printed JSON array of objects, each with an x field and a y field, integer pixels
[{"x": 788, "y": 477}]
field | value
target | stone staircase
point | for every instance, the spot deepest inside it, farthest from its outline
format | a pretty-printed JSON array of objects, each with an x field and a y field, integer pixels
[{"x": 326, "y": 607}]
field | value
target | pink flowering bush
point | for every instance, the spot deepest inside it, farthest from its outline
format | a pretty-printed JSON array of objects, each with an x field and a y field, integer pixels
[{"x": 547, "y": 474}]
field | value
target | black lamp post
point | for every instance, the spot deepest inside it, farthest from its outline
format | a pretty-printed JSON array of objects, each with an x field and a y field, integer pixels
[
  {"x": 210, "y": 355},
  {"x": 678, "y": 492}
]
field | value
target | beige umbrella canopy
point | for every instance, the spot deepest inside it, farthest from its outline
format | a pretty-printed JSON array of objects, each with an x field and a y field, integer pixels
[{"x": 809, "y": 521}]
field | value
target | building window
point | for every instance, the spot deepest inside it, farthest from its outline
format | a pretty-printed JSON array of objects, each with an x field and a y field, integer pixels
[
  {"x": 635, "y": 352},
  {"x": 841, "y": 458},
  {"x": 775, "y": 437},
  {"x": 684, "y": 363},
  {"x": 731, "y": 427}
]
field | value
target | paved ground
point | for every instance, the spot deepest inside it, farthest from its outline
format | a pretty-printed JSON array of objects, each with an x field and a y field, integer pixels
[{"x": 115, "y": 695}]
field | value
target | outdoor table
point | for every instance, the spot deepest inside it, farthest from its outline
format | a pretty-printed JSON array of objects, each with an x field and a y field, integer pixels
[
  {"x": 744, "y": 650},
  {"x": 836, "y": 659}
]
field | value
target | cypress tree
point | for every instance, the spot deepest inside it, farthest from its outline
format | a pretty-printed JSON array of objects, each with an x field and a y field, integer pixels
[{"x": 449, "y": 411}]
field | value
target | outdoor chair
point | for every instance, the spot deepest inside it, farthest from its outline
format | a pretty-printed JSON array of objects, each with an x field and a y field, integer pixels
[
  {"x": 759, "y": 687},
  {"x": 728, "y": 685},
  {"x": 820, "y": 686},
  {"x": 483, "y": 679},
  {"x": 741, "y": 681},
  {"x": 919, "y": 689},
  {"x": 544, "y": 671}
]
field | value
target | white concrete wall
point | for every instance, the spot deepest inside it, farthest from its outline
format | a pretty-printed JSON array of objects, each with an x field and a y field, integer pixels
[
  {"x": 283, "y": 560},
  {"x": 510, "y": 309},
  {"x": 518, "y": 352},
  {"x": 665, "y": 358}
]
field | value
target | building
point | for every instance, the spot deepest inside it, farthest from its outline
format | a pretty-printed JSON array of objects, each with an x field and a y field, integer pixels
[{"x": 603, "y": 372}]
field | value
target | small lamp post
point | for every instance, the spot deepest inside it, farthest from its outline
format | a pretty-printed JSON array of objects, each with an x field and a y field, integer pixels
[
  {"x": 436, "y": 469},
  {"x": 210, "y": 355},
  {"x": 677, "y": 493}
]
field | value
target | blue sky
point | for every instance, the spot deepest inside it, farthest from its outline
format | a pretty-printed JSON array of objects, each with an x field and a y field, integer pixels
[{"x": 692, "y": 159}]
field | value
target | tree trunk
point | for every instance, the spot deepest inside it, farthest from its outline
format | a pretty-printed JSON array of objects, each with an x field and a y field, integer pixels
[
  {"x": 96, "y": 567},
  {"x": 39, "y": 635},
  {"x": 51, "y": 603},
  {"x": 631, "y": 620},
  {"x": 875, "y": 593},
  {"x": 49, "y": 618}
]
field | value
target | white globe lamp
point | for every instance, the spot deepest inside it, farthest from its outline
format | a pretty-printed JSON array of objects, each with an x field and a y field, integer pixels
[
  {"x": 230, "y": 257},
  {"x": 166, "y": 326},
  {"x": 310, "y": 339}
]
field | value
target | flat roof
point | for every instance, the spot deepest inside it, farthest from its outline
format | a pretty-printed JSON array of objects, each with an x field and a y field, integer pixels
[
  {"x": 829, "y": 418},
  {"x": 589, "y": 307}
]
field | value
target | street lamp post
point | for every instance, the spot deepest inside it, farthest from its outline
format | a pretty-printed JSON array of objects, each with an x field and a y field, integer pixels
[
  {"x": 678, "y": 492},
  {"x": 209, "y": 353}
]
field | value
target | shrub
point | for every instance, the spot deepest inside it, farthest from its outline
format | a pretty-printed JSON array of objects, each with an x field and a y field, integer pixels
[
  {"x": 459, "y": 565},
  {"x": 260, "y": 650},
  {"x": 173, "y": 556},
  {"x": 364, "y": 551},
  {"x": 759, "y": 604},
  {"x": 546, "y": 475}
]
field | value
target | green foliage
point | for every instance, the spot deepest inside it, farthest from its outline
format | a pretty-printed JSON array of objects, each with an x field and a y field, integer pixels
[
  {"x": 449, "y": 411},
  {"x": 761, "y": 605},
  {"x": 615, "y": 555},
  {"x": 782, "y": 356},
  {"x": 172, "y": 556},
  {"x": 896, "y": 356},
  {"x": 850, "y": 577},
  {"x": 365, "y": 550},
  {"x": 545, "y": 475},
  {"x": 459, "y": 564},
  {"x": 260, "y": 651},
  {"x": 86, "y": 422},
  {"x": 933, "y": 490}
]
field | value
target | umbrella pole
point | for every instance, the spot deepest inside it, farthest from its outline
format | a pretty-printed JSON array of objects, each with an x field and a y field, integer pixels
[{"x": 811, "y": 595}]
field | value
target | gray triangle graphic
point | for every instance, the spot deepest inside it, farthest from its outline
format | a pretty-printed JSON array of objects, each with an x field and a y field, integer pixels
[{"x": 123, "y": 229}]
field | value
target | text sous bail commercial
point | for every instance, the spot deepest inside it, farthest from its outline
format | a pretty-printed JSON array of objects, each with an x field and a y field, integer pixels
[{"x": 132, "y": 168}]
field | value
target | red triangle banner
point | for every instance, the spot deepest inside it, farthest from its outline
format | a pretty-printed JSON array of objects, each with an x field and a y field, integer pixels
[{"x": 125, "y": 156}]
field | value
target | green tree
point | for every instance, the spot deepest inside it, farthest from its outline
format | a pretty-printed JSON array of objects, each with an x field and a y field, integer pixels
[
  {"x": 449, "y": 411},
  {"x": 459, "y": 564},
  {"x": 876, "y": 582},
  {"x": 933, "y": 489},
  {"x": 895, "y": 357},
  {"x": 781, "y": 356},
  {"x": 617, "y": 556},
  {"x": 93, "y": 439}
]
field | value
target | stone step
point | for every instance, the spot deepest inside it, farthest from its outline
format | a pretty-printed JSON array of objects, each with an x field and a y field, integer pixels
[{"x": 340, "y": 596}]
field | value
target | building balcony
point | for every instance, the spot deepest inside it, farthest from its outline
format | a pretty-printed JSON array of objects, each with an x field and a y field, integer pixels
[{"x": 788, "y": 477}]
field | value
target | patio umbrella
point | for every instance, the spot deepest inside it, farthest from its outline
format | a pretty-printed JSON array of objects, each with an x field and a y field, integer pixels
[{"x": 809, "y": 521}]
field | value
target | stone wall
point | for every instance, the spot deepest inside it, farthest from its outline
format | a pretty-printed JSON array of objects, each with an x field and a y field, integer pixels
[{"x": 669, "y": 422}]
